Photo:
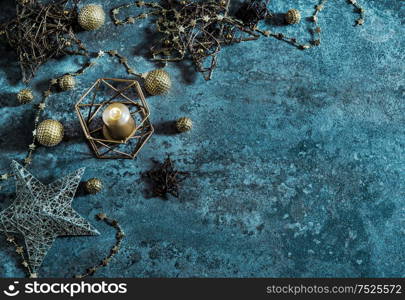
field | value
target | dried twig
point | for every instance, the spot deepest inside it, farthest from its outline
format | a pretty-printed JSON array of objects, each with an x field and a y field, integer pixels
[
  {"x": 195, "y": 30},
  {"x": 40, "y": 32},
  {"x": 198, "y": 30}
]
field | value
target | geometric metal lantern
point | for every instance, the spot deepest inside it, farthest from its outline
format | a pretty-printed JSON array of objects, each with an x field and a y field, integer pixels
[{"x": 90, "y": 108}]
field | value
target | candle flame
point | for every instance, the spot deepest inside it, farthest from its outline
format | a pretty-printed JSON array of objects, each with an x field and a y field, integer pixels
[{"x": 115, "y": 113}]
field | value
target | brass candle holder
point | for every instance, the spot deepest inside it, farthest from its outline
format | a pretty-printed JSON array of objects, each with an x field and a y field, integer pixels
[{"x": 95, "y": 100}]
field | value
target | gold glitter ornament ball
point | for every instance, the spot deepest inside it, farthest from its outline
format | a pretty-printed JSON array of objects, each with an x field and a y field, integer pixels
[
  {"x": 184, "y": 124},
  {"x": 49, "y": 133},
  {"x": 157, "y": 82},
  {"x": 67, "y": 82},
  {"x": 293, "y": 16},
  {"x": 94, "y": 185},
  {"x": 25, "y": 96},
  {"x": 91, "y": 17}
]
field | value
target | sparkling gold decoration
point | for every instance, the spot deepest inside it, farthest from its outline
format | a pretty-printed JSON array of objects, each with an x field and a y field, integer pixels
[
  {"x": 94, "y": 185},
  {"x": 293, "y": 16},
  {"x": 25, "y": 96},
  {"x": 91, "y": 17},
  {"x": 90, "y": 108},
  {"x": 157, "y": 82},
  {"x": 49, "y": 133},
  {"x": 184, "y": 124},
  {"x": 67, "y": 82},
  {"x": 41, "y": 213}
]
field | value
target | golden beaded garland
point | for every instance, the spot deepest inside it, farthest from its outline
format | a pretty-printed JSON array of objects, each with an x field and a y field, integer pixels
[
  {"x": 293, "y": 16},
  {"x": 67, "y": 82},
  {"x": 94, "y": 185},
  {"x": 157, "y": 82},
  {"x": 91, "y": 17},
  {"x": 184, "y": 124},
  {"x": 49, "y": 133},
  {"x": 25, "y": 96}
]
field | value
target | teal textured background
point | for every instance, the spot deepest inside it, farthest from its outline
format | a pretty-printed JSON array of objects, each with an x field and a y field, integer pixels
[{"x": 297, "y": 157}]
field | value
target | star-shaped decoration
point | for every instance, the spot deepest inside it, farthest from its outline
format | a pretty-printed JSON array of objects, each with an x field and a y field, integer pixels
[
  {"x": 41, "y": 213},
  {"x": 113, "y": 52},
  {"x": 165, "y": 178},
  {"x": 47, "y": 93}
]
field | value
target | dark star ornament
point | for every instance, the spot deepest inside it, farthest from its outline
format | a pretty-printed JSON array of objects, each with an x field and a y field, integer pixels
[{"x": 41, "y": 213}]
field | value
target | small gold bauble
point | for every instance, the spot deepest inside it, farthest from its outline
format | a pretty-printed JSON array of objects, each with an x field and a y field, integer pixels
[
  {"x": 25, "y": 96},
  {"x": 67, "y": 82},
  {"x": 49, "y": 133},
  {"x": 184, "y": 124},
  {"x": 157, "y": 82},
  {"x": 293, "y": 16},
  {"x": 94, "y": 185},
  {"x": 91, "y": 17}
]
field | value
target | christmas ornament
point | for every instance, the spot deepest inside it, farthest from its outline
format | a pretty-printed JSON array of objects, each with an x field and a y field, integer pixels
[
  {"x": 41, "y": 213},
  {"x": 91, "y": 17},
  {"x": 184, "y": 124},
  {"x": 49, "y": 133},
  {"x": 165, "y": 179},
  {"x": 293, "y": 16},
  {"x": 67, "y": 82},
  {"x": 25, "y": 96},
  {"x": 157, "y": 82},
  {"x": 93, "y": 185}
]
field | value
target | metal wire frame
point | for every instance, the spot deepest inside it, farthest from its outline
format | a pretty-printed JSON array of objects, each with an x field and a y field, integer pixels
[{"x": 103, "y": 147}]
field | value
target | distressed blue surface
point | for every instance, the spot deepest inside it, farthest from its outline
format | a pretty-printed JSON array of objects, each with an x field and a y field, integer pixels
[{"x": 297, "y": 157}]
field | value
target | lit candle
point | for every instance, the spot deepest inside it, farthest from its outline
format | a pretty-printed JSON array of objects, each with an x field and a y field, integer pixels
[{"x": 118, "y": 122}]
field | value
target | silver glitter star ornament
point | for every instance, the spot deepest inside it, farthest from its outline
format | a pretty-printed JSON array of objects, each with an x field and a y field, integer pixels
[{"x": 41, "y": 213}]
